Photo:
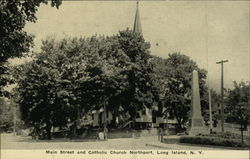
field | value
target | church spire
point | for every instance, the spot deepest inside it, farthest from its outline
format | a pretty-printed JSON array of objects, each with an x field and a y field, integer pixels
[{"x": 137, "y": 23}]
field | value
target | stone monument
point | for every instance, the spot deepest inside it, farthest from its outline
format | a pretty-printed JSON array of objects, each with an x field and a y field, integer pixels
[{"x": 197, "y": 122}]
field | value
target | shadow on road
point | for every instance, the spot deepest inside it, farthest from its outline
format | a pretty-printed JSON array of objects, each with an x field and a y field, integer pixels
[{"x": 29, "y": 139}]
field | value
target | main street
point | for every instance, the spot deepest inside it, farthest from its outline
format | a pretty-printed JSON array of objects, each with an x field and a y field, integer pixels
[{"x": 8, "y": 141}]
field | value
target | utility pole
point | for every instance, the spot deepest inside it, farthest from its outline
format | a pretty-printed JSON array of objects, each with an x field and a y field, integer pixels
[
  {"x": 209, "y": 92},
  {"x": 222, "y": 94},
  {"x": 105, "y": 119},
  {"x": 210, "y": 110},
  {"x": 241, "y": 115},
  {"x": 14, "y": 120}
]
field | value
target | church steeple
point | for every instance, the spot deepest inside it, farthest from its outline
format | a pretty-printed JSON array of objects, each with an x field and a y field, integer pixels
[{"x": 137, "y": 23}]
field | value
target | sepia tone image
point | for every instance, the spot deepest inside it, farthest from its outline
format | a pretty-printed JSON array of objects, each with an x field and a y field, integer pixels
[{"x": 124, "y": 75}]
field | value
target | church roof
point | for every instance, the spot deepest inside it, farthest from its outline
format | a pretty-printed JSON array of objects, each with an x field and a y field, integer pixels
[{"x": 137, "y": 22}]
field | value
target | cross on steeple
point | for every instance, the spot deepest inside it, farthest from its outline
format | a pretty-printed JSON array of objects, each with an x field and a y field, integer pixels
[{"x": 137, "y": 22}]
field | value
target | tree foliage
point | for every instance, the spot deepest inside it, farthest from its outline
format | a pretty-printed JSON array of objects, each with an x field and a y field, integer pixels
[
  {"x": 5, "y": 78},
  {"x": 175, "y": 76},
  {"x": 141, "y": 90},
  {"x": 14, "y": 15},
  {"x": 13, "y": 39},
  {"x": 7, "y": 110},
  {"x": 78, "y": 74},
  {"x": 238, "y": 102},
  {"x": 6, "y": 114}
]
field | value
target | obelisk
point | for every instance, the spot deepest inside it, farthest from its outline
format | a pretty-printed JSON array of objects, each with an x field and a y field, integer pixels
[{"x": 197, "y": 122}]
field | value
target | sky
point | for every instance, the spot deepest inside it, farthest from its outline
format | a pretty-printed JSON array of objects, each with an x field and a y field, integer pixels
[{"x": 207, "y": 32}]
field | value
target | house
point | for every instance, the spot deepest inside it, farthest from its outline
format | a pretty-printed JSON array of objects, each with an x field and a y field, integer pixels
[
  {"x": 98, "y": 118},
  {"x": 145, "y": 118}
]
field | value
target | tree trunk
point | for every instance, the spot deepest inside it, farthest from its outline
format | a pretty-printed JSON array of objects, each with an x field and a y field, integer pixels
[
  {"x": 74, "y": 128},
  {"x": 134, "y": 119},
  {"x": 48, "y": 130},
  {"x": 113, "y": 122},
  {"x": 245, "y": 125},
  {"x": 179, "y": 126}
]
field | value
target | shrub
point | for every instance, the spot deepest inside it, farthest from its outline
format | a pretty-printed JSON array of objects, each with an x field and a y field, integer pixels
[
  {"x": 205, "y": 140},
  {"x": 225, "y": 135}
]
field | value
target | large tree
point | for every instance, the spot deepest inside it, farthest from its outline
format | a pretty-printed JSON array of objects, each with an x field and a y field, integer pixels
[
  {"x": 141, "y": 91},
  {"x": 238, "y": 102},
  {"x": 175, "y": 76},
  {"x": 70, "y": 77},
  {"x": 6, "y": 115},
  {"x": 76, "y": 75},
  {"x": 14, "y": 14}
]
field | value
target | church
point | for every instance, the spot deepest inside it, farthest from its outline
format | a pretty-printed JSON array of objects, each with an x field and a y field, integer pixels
[{"x": 145, "y": 118}]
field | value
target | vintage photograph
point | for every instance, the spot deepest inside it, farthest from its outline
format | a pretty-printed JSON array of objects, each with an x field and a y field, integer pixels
[{"x": 124, "y": 75}]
